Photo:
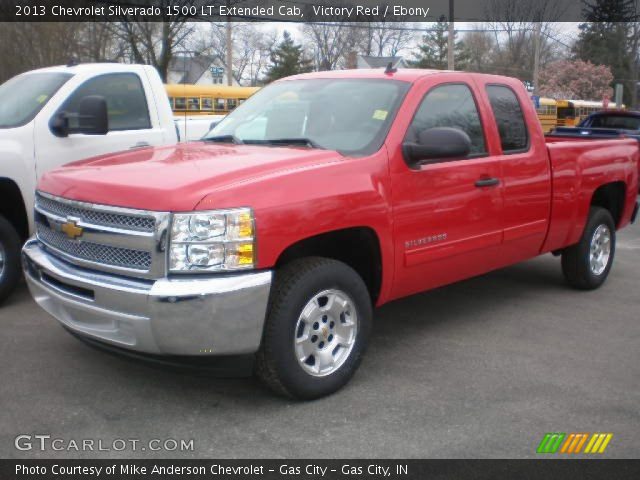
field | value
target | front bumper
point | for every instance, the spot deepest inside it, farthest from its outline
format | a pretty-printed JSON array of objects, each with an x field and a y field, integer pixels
[{"x": 196, "y": 315}]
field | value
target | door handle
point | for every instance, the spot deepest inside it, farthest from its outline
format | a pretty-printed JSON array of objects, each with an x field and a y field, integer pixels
[
  {"x": 140, "y": 145},
  {"x": 487, "y": 182}
]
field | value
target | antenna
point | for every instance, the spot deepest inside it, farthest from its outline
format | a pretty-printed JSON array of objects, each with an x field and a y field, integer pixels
[{"x": 390, "y": 68}]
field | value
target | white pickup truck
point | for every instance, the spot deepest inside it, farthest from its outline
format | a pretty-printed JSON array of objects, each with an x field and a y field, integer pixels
[{"x": 57, "y": 115}]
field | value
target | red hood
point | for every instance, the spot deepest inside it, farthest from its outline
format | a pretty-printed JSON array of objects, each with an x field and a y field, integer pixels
[{"x": 174, "y": 178}]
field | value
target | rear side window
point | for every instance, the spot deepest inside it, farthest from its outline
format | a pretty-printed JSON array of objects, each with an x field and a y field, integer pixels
[
  {"x": 126, "y": 101},
  {"x": 450, "y": 106},
  {"x": 509, "y": 118}
]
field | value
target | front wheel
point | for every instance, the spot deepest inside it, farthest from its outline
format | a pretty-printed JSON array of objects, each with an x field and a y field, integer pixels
[
  {"x": 586, "y": 264},
  {"x": 9, "y": 258},
  {"x": 316, "y": 329}
]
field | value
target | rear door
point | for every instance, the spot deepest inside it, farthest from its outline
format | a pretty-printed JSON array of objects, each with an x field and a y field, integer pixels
[
  {"x": 447, "y": 214},
  {"x": 130, "y": 123},
  {"x": 526, "y": 177}
]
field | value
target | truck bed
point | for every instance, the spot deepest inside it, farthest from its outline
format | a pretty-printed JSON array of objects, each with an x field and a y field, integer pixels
[{"x": 579, "y": 166}]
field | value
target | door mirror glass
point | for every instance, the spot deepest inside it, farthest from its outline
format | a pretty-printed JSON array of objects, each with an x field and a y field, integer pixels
[
  {"x": 436, "y": 144},
  {"x": 59, "y": 125}
]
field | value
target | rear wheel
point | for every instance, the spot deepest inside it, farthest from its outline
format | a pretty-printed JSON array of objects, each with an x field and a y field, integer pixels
[
  {"x": 316, "y": 330},
  {"x": 9, "y": 258},
  {"x": 586, "y": 265}
]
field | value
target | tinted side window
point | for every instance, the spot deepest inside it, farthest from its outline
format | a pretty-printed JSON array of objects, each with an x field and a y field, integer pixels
[
  {"x": 449, "y": 106},
  {"x": 126, "y": 102},
  {"x": 509, "y": 118}
]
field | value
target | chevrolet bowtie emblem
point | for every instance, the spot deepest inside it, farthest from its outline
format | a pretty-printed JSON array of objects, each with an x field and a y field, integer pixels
[{"x": 71, "y": 229}]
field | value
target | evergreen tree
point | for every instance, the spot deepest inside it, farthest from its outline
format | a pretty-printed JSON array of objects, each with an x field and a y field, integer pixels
[
  {"x": 433, "y": 51},
  {"x": 287, "y": 59},
  {"x": 606, "y": 39}
]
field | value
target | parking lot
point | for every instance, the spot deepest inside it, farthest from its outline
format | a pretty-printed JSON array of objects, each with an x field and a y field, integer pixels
[{"x": 483, "y": 368}]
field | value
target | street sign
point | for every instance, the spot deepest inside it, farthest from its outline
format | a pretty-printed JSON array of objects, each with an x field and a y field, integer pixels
[
  {"x": 536, "y": 100},
  {"x": 217, "y": 72}
]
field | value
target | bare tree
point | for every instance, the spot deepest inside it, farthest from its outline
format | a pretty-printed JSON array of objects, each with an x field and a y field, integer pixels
[
  {"x": 477, "y": 49},
  {"x": 26, "y": 45},
  {"x": 385, "y": 38},
  {"x": 251, "y": 48},
  {"x": 154, "y": 43},
  {"x": 514, "y": 41},
  {"x": 99, "y": 42},
  {"x": 329, "y": 44}
]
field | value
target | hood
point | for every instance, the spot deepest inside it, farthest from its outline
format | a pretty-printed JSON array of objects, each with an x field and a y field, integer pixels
[{"x": 174, "y": 178}]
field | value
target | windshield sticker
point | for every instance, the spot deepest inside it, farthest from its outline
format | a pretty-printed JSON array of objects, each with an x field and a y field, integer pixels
[
  {"x": 380, "y": 114},
  {"x": 42, "y": 98}
]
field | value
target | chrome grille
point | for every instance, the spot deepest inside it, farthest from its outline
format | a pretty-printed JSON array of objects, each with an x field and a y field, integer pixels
[
  {"x": 93, "y": 252},
  {"x": 118, "y": 240},
  {"x": 97, "y": 217}
]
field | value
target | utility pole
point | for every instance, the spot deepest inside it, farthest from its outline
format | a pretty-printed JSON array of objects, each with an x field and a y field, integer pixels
[
  {"x": 537, "y": 33},
  {"x": 450, "y": 39},
  {"x": 229, "y": 52}
]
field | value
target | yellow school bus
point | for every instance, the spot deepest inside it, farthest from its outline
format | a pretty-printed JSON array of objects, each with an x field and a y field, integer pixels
[
  {"x": 572, "y": 112},
  {"x": 547, "y": 113},
  {"x": 584, "y": 108},
  {"x": 206, "y": 99}
]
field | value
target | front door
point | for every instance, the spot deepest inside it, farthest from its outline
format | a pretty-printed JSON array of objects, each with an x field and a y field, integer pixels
[
  {"x": 130, "y": 123},
  {"x": 447, "y": 213}
]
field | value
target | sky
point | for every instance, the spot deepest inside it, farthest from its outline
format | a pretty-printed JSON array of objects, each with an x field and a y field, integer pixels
[{"x": 564, "y": 32}]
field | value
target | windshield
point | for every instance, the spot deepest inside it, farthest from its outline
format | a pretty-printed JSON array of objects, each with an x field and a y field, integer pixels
[
  {"x": 351, "y": 116},
  {"x": 22, "y": 97},
  {"x": 624, "y": 122}
]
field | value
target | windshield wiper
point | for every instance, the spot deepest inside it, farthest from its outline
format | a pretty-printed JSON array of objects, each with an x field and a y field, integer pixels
[
  {"x": 224, "y": 139},
  {"x": 306, "y": 142}
]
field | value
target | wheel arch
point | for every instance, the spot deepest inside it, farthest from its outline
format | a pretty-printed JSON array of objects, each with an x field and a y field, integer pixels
[
  {"x": 611, "y": 196},
  {"x": 358, "y": 247},
  {"x": 13, "y": 207}
]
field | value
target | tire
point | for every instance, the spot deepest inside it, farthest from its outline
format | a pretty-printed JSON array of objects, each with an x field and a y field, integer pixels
[
  {"x": 577, "y": 264},
  {"x": 9, "y": 258},
  {"x": 338, "y": 314}
]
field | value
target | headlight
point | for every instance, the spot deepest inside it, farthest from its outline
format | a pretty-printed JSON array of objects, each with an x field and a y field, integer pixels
[{"x": 218, "y": 240}]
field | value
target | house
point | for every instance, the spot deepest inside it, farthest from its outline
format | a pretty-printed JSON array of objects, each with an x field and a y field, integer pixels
[
  {"x": 368, "y": 61},
  {"x": 198, "y": 70}
]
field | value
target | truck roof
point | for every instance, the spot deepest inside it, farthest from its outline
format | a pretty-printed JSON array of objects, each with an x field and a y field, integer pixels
[
  {"x": 402, "y": 74},
  {"x": 92, "y": 68}
]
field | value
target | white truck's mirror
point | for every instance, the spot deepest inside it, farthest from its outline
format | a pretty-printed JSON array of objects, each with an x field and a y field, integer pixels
[
  {"x": 92, "y": 116},
  {"x": 59, "y": 124}
]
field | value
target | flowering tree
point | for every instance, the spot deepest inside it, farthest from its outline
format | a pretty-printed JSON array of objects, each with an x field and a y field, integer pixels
[{"x": 575, "y": 79}]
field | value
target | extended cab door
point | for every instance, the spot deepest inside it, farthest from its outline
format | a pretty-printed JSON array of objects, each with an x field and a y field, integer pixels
[
  {"x": 524, "y": 162},
  {"x": 131, "y": 122},
  {"x": 447, "y": 213}
]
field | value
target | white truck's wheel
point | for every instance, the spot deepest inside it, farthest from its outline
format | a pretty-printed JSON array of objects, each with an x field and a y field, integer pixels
[{"x": 9, "y": 258}]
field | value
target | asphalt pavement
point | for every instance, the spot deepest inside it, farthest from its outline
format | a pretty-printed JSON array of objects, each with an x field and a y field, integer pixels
[{"x": 480, "y": 369}]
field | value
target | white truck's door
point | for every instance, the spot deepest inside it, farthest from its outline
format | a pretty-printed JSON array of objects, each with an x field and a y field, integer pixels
[{"x": 133, "y": 122}]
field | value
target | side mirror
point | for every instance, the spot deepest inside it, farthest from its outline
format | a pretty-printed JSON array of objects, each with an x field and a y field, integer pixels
[
  {"x": 92, "y": 116},
  {"x": 437, "y": 143},
  {"x": 59, "y": 125}
]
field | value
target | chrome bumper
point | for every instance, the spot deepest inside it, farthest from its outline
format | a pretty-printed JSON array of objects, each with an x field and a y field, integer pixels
[{"x": 213, "y": 315}]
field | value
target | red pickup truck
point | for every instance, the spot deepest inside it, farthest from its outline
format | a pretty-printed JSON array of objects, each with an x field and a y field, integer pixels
[{"x": 322, "y": 196}]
